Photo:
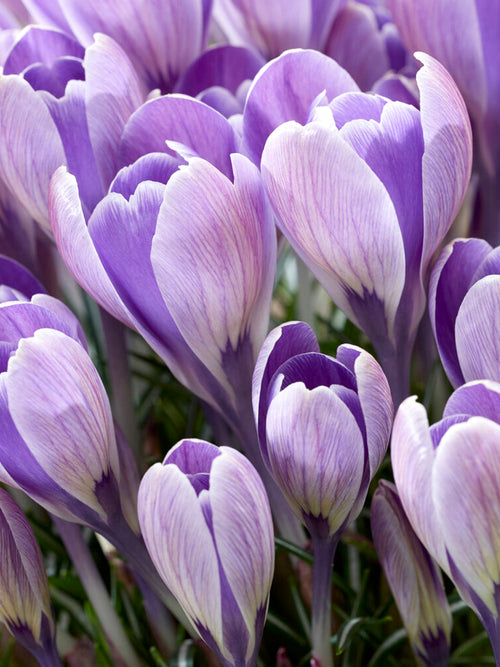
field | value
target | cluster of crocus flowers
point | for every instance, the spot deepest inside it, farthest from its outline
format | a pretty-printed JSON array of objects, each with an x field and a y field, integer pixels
[{"x": 169, "y": 176}]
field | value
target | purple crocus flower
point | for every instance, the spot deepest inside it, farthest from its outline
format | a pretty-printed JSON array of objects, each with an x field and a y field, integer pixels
[
  {"x": 192, "y": 268},
  {"x": 465, "y": 310},
  {"x": 25, "y": 605},
  {"x": 161, "y": 38},
  {"x": 371, "y": 246},
  {"x": 414, "y": 578},
  {"x": 474, "y": 67},
  {"x": 62, "y": 104},
  {"x": 274, "y": 27},
  {"x": 323, "y": 426},
  {"x": 448, "y": 480},
  {"x": 207, "y": 525}
]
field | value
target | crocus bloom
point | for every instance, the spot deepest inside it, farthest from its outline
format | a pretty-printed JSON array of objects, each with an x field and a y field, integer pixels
[
  {"x": 161, "y": 37},
  {"x": 62, "y": 104},
  {"x": 199, "y": 291},
  {"x": 465, "y": 310},
  {"x": 474, "y": 67},
  {"x": 207, "y": 525},
  {"x": 274, "y": 27},
  {"x": 323, "y": 427},
  {"x": 371, "y": 248},
  {"x": 448, "y": 479},
  {"x": 414, "y": 578},
  {"x": 25, "y": 605}
]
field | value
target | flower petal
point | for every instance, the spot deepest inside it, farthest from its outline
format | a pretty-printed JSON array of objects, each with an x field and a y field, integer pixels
[
  {"x": 477, "y": 331},
  {"x": 466, "y": 494},
  {"x": 62, "y": 413},
  {"x": 284, "y": 90},
  {"x": 311, "y": 176},
  {"x": 31, "y": 149},
  {"x": 216, "y": 274},
  {"x": 316, "y": 453},
  {"x": 412, "y": 454}
]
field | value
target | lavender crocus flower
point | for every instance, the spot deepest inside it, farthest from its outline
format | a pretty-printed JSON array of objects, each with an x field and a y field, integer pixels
[
  {"x": 448, "y": 479},
  {"x": 474, "y": 67},
  {"x": 414, "y": 578},
  {"x": 62, "y": 104},
  {"x": 161, "y": 37},
  {"x": 25, "y": 605},
  {"x": 207, "y": 524},
  {"x": 371, "y": 247},
  {"x": 465, "y": 310},
  {"x": 323, "y": 427}
]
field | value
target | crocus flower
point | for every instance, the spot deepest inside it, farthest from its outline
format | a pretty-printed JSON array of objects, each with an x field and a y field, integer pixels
[
  {"x": 474, "y": 67},
  {"x": 161, "y": 37},
  {"x": 207, "y": 525},
  {"x": 272, "y": 28},
  {"x": 371, "y": 248},
  {"x": 448, "y": 479},
  {"x": 465, "y": 310},
  {"x": 62, "y": 104},
  {"x": 323, "y": 427},
  {"x": 414, "y": 578},
  {"x": 25, "y": 605}
]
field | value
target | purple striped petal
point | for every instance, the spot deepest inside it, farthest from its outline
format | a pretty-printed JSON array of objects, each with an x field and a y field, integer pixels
[
  {"x": 285, "y": 90},
  {"x": 447, "y": 161},
  {"x": 63, "y": 402},
  {"x": 31, "y": 149},
  {"x": 181, "y": 119},
  {"x": 15, "y": 275},
  {"x": 481, "y": 398},
  {"x": 283, "y": 343},
  {"x": 311, "y": 176},
  {"x": 413, "y": 576},
  {"x": 216, "y": 274},
  {"x": 477, "y": 331},
  {"x": 245, "y": 542},
  {"x": 181, "y": 545},
  {"x": 316, "y": 454},
  {"x": 160, "y": 38},
  {"x": 375, "y": 399},
  {"x": 466, "y": 473},
  {"x": 112, "y": 94},
  {"x": 38, "y": 44},
  {"x": 451, "y": 277},
  {"x": 413, "y": 456},
  {"x": 24, "y": 588}
]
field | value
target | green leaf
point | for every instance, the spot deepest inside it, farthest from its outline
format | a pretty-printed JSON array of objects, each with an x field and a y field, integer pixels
[{"x": 351, "y": 628}]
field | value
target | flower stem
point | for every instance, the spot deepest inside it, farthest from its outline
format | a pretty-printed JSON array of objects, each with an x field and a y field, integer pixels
[{"x": 321, "y": 617}]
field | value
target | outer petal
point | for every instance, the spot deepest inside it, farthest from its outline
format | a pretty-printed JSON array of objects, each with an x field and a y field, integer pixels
[
  {"x": 480, "y": 398},
  {"x": 316, "y": 453},
  {"x": 61, "y": 410},
  {"x": 112, "y": 94},
  {"x": 375, "y": 398},
  {"x": 76, "y": 247},
  {"x": 284, "y": 90},
  {"x": 413, "y": 455},
  {"x": 466, "y": 494},
  {"x": 244, "y": 538},
  {"x": 184, "y": 120},
  {"x": 283, "y": 343},
  {"x": 25, "y": 596},
  {"x": 29, "y": 137},
  {"x": 216, "y": 274},
  {"x": 451, "y": 277},
  {"x": 311, "y": 176},
  {"x": 477, "y": 331},
  {"x": 161, "y": 38},
  {"x": 447, "y": 161},
  {"x": 15, "y": 275},
  {"x": 413, "y": 576},
  {"x": 181, "y": 545}
]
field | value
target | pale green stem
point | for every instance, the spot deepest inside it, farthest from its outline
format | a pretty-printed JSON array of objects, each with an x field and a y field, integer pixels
[{"x": 321, "y": 616}]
